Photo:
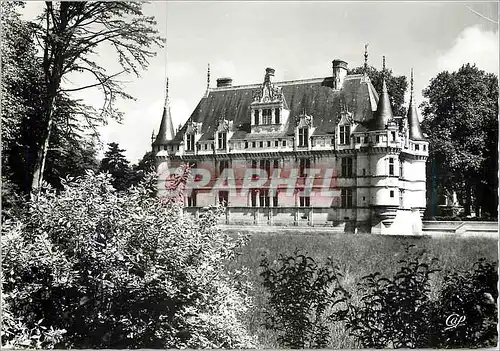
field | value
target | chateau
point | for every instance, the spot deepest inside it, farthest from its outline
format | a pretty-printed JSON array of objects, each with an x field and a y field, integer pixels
[{"x": 319, "y": 152}]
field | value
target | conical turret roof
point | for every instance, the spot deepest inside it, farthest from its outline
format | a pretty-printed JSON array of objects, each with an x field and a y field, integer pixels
[
  {"x": 166, "y": 132},
  {"x": 413, "y": 123},
  {"x": 384, "y": 110}
]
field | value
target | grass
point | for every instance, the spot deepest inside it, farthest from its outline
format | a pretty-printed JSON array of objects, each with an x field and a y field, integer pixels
[{"x": 357, "y": 256}]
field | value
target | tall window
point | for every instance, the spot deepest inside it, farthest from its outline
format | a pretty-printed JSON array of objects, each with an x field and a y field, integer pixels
[
  {"x": 304, "y": 164},
  {"x": 305, "y": 201},
  {"x": 303, "y": 136},
  {"x": 223, "y": 165},
  {"x": 346, "y": 166},
  {"x": 393, "y": 136},
  {"x": 266, "y": 116},
  {"x": 223, "y": 197},
  {"x": 277, "y": 115},
  {"x": 256, "y": 117},
  {"x": 190, "y": 142},
  {"x": 391, "y": 165},
  {"x": 346, "y": 198},
  {"x": 266, "y": 165},
  {"x": 264, "y": 198},
  {"x": 253, "y": 196},
  {"x": 345, "y": 134},
  {"x": 222, "y": 140},
  {"x": 191, "y": 200},
  {"x": 400, "y": 169}
]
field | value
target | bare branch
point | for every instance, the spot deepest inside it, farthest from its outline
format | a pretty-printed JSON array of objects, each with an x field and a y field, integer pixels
[{"x": 102, "y": 80}]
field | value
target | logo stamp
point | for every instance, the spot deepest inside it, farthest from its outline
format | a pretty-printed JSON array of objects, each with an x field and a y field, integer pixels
[{"x": 454, "y": 320}]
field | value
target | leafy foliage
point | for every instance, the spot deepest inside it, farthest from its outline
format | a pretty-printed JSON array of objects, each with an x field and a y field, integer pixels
[
  {"x": 121, "y": 270},
  {"x": 461, "y": 119},
  {"x": 396, "y": 86},
  {"x": 406, "y": 310},
  {"x": 302, "y": 300},
  {"x": 70, "y": 151},
  {"x": 115, "y": 163},
  {"x": 395, "y": 312},
  {"x": 472, "y": 295},
  {"x": 68, "y": 35}
]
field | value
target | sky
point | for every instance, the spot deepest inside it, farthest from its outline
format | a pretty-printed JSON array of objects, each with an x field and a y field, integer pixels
[{"x": 299, "y": 39}]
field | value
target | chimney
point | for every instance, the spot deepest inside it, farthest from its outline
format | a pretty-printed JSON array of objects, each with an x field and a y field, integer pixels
[
  {"x": 224, "y": 82},
  {"x": 339, "y": 73},
  {"x": 269, "y": 76}
]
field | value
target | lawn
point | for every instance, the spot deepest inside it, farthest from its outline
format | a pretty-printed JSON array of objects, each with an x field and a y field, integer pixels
[{"x": 357, "y": 256}]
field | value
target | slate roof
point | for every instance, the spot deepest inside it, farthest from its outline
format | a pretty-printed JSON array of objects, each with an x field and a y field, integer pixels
[{"x": 314, "y": 96}]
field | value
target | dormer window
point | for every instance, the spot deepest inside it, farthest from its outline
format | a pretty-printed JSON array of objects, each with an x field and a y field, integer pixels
[
  {"x": 345, "y": 133},
  {"x": 266, "y": 116},
  {"x": 303, "y": 137},
  {"x": 190, "y": 142},
  {"x": 277, "y": 116},
  {"x": 222, "y": 140},
  {"x": 256, "y": 117}
]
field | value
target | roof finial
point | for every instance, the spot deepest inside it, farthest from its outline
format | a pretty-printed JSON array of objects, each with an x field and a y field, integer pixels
[
  {"x": 166, "y": 93},
  {"x": 366, "y": 58},
  {"x": 208, "y": 77},
  {"x": 411, "y": 82},
  {"x": 153, "y": 136},
  {"x": 383, "y": 63}
]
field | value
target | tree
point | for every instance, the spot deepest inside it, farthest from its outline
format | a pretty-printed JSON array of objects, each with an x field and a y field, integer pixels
[
  {"x": 96, "y": 268},
  {"x": 461, "y": 119},
  {"x": 115, "y": 163},
  {"x": 69, "y": 34},
  {"x": 396, "y": 86},
  {"x": 145, "y": 165},
  {"x": 71, "y": 150}
]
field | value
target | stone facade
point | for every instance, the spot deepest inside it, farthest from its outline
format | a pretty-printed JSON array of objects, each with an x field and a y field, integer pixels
[{"x": 331, "y": 151}]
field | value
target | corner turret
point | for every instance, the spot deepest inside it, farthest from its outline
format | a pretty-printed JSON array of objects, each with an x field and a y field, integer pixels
[
  {"x": 384, "y": 110},
  {"x": 415, "y": 133},
  {"x": 166, "y": 132}
]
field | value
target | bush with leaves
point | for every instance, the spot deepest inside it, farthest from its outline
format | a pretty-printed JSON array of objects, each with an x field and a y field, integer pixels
[
  {"x": 303, "y": 299},
  {"x": 472, "y": 296},
  {"x": 395, "y": 312},
  {"x": 121, "y": 270}
]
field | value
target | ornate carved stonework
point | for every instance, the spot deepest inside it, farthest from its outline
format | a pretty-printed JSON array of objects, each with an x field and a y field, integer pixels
[
  {"x": 303, "y": 120},
  {"x": 267, "y": 93},
  {"x": 193, "y": 127},
  {"x": 224, "y": 125}
]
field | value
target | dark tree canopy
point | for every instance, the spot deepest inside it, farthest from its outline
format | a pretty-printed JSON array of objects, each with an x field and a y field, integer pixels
[
  {"x": 70, "y": 152},
  {"x": 69, "y": 35},
  {"x": 461, "y": 120},
  {"x": 115, "y": 163},
  {"x": 396, "y": 85}
]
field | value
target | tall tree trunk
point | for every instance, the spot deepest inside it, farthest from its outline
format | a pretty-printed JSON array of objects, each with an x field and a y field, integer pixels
[
  {"x": 42, "y": 151},
  {"x": 478, "y": 198},
  {"x": 468, "y": 198}
]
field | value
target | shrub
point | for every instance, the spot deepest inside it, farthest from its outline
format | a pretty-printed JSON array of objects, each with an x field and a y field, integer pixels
[
  {"x": 121, "y": 270},
  {"x": 302, "y": 300},
  {"x": 395, "y": 312},
  {"x": 472, "y": 296}
]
